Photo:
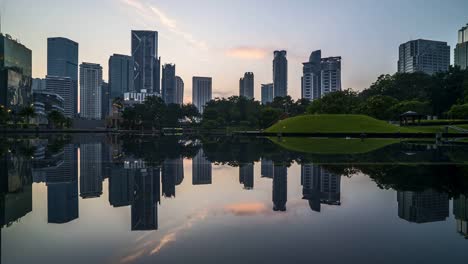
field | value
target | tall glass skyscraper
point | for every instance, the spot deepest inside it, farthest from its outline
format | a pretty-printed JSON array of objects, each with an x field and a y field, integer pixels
[
  {"x": 147, "y": 74},
  {"x": 15, "y": 74},
  {"x": 179, "y": 90},
  {"x": 461, "y": 51},
  {"x": 91, "y": 91},
  {"x": 62, "y": 61},
  {"x": 267, "y": 93},
  {"x": 422, "y": 55},
  {"x": 246, "y": 86},
  {"x": 169, "y": 84},
  {"x": 201, "y": 92},
  {"x": 280, "y": 74},
  {"x": 120, "y": 75}
]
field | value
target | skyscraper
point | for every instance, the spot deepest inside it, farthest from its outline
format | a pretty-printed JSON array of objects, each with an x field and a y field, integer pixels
[
  {"x": 90, "y": 170},
  {"x": 147, "y": 194},
  {"x": 461, "y": 51},
  {"x": 201, "y": 92},
  {"x": 169, "y": 85},
  {"x": 91, "y": 91},
  {"x": 426, "y": 56},
  {"x": 201, "y": 169},
  {"x": 147, "y": 75},
  {"x": 172, "y": 175},
  {"x": 320, "y": 186},
  {"x": 267, "y": 93},
  {"x": 61, "y": 86},
  {"x": 280, "y": 74},
  {"x": 423, "y": 207},
  {"x": 179, "y": 90},
  {"x": 320, "y": 76},
  {"x": 246, "y": 175},
  {"x": 120, "y": 75},
  {"x": 15, "y": 74},
  {"x": 62, "y": 61},
  {"x": 280, "y": 187},
  {"x": 460, "y": 211},
  {"x": 246, "y": 86},
  {"x": 267, "y": 168}
]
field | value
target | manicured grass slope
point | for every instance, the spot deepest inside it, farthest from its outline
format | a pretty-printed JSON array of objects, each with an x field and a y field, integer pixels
[
  {"x": 335, "y": 124},
  {"x": 332, "y": 146}
]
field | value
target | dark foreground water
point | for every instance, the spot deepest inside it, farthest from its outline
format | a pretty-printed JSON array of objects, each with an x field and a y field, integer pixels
[{"x": 102, "y": 199}]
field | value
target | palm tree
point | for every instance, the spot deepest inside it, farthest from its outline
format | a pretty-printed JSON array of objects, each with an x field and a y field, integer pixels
[
  {"x": 27, "y": 112},
  {"x": 56, "y": 118}
]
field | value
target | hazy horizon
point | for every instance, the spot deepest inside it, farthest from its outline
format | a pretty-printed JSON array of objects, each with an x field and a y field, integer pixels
[{"x": 224, "y": 39}]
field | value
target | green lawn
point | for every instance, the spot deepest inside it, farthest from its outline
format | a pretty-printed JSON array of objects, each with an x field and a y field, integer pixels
[
  {"x": 336, "y": 124},
  {"x": 332, "y": 146}
]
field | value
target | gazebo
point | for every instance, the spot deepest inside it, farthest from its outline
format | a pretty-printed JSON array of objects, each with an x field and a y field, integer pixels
[{"x": 410, "y": 117}]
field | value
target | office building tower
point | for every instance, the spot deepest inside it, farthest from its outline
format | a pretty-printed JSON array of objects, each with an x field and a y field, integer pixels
[
  {"x": 62, "y": 86},
  {"x": 147, "y": 75},
  {"x": 121, "y": 69},
  {"x": 320, "y": 186},
  {"x": 246, "y": 175},
  {"x": 267, "y": 93},
  {"x": 15, "y": 74},
  {"x": 90, "y": 170},
  {"x": 246, "y": 86},
  {"x": 267, "y": 168},
  {"x": 106, "y": 101},
  {"x": 425, "y": 56},
  {"x": 461, "y": 50},
  {"x": 320, "y": 76},
  {"x": 172, "y": 175},
  {"x": 280, "y": 74},
  {"x": 179, "y": 91},
  {"x": 460, "y": 211},
  {"x": 146, "y": 197},
  {"x": 423, "y": 207},
  {"x": 91, "y": 91},
  {"x": 201, "y": 92},
  {"x": 62, "y": 61},
  {"x": 201, "y": 169},
  {"x": 280, "y": 187},
  {"x": 169, "y": 92},
  {"x": 121, "y": 183},
  {"x": 46, "y": 102},
  {"x": 38, "y": 84}
]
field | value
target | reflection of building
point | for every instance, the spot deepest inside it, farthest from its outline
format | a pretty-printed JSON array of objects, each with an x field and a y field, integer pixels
[
  {"x": 147, "y": 73},
  {"x": 172, "y": 175},
  {"x": 422, "y": 55},
  {"x": 15, "y": 74},
  {"x": 460, "y": 211},
  {"x": 201, "y": 169},
  {"x": 267, "y": 168},
  {"x": 280, "y": 74},
  {"x": 169, "y": 85},
  {"x": 91, "y": 91},
  {"x": 423, "y": 207},
  {"x": 461, "y": 51},
  {"x": 90, "y": 170},
  {"x": 62, "y": 61},
  {"x": 246, "y": 86},
  {"x": 280, "y": 188},
  {"x": 201, "y": 92},
  {"x": 246, "y": 175},
  {"x": 121, "y": 182},
  {"x": 145, "y": 199},
  {"x": 320, "y": 186}
]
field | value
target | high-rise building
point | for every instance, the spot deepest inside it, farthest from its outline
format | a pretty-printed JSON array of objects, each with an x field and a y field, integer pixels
[
  {"x": 246, "y": 86},
  {"x": 267, "y": 93},
  {"x": 169, "y": 84},
  {"x": 15, "y": 74},
  {"x": 461, "y": 50},
  {"x": 38, "y": 84},
  {"x": 90, "y": 170},
  {"x": 121, "y": 183},
  {"x": 422, "y": 55},
  {"x": 280, "y": 74},
  {"x": 91, "y": 91},
  {"x": 179, "y": 90},
  {"x": 280, "y": 187},
  {"x": 320, "y": 76},
  {"x": 106, "y": 101},
  {"x": 460, "y": 211},
  {"x": 62, "y": 61},
  {"x": 147, "y": 194},
  {"x": 320, "y": 186},
  {"x": 121, "y": 69},
  {"x": 147, "y": 75},
  {"x": 267, "y": 168},
  {"x": 172, "y": 175},
  {"x": 201, "y": 92},
  {"x": 423, "y": 207},
  {"x": 246, "y": 175},
  {"x": 201, "y": 169},
  {"x": 62, "y": 86}
]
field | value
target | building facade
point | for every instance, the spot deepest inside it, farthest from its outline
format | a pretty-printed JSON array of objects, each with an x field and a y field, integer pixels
[
  {"x": 179, "y": 91},
  {"x": 62, "y": 61},
  {"x": 461, "y": 50},
  {"x": 201, "y": 169},
  {"x": 147, "y": 75},
  {"x": 169, "y": 89},
  {"x": 15, "y": 74},
  {"x": 91, "y": 91},
  {"x": 425, "y": 56},
  {"x": 280, "y": 74},
  {"x": 201, "y": 92},
  {"x": 246, "y": 86},
  {"x": 62, "y": 86},
  {"x": 120, "y": 75},
  {"x": 267, "y": 93},
  {"x": 320, "y": 76}
]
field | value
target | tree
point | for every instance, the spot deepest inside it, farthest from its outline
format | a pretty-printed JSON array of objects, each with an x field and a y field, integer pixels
[
  {"x": 378, "y": 107},
  {"x": 4, "y": 115},
  {"x": 269, "y": 116},
  {"x": 458, "y": 112},
  {"x": 422, "y": 108},
  {"x": 27, "y": 112},
  {"x": 342, "y": 102},
  {"x": 190, "y": 111},
  {"x": 56, "y": 119}
]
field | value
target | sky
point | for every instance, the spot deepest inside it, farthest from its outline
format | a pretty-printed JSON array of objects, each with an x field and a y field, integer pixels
[{"x": 223, "y": 39}]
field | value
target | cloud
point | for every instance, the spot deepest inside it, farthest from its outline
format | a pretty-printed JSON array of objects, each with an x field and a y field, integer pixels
[
  {"x": 149, "y": 12},
  {"x": 248, "y": 52},
  {"x": 247, "y": 209}
]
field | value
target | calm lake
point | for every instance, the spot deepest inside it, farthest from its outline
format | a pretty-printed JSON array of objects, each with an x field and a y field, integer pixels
[{"x": 115, "y": 199}]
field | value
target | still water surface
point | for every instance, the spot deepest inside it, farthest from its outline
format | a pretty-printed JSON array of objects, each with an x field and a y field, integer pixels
[{"x": 105, "y": 199}]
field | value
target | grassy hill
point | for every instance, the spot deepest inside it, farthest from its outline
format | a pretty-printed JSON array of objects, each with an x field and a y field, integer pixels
[{"x": 335, "y": 124}]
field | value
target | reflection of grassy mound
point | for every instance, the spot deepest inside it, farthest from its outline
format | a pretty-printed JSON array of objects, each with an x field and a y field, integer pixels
[
  {"x": 333, "y": 146},
  {"x": 335, "y": 124}
]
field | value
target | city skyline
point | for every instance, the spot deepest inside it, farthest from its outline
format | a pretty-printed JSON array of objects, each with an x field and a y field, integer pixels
[{"x": 206, "y": 50}]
